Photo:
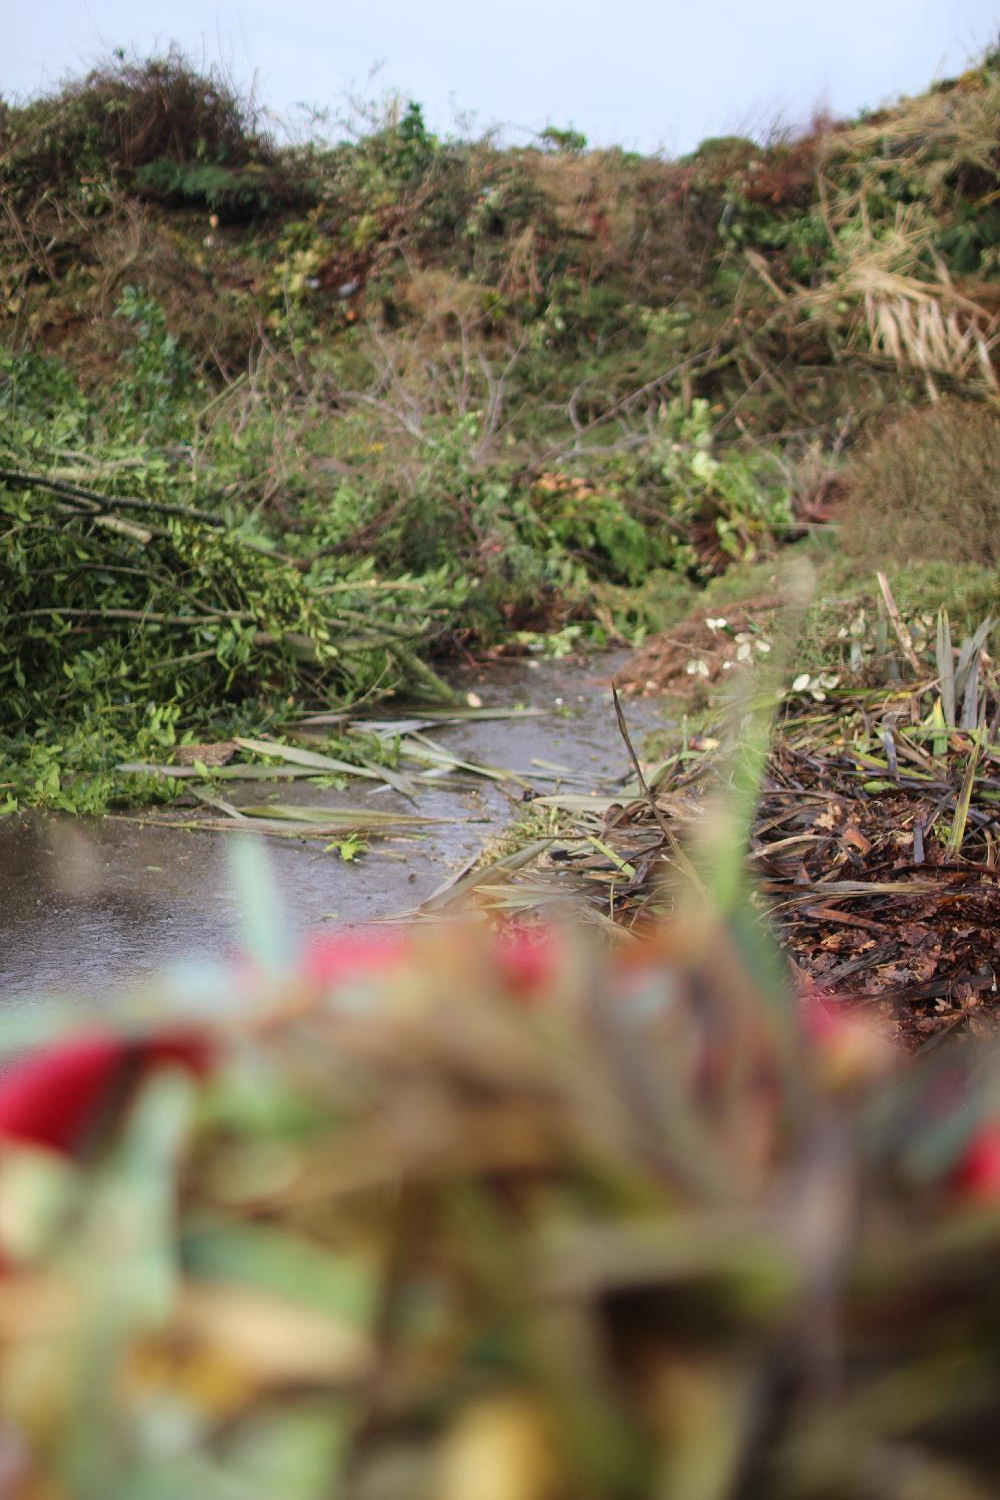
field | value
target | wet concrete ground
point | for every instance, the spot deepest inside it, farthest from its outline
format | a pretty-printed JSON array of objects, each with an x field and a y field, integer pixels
[{"x": 88, "y": 905}]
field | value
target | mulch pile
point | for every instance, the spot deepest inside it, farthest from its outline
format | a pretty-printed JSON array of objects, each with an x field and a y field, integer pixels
[
  {"x": 875, "y": 851},
  {"x": 869, "y": 898},
  {"x": 703, "y": 650}
]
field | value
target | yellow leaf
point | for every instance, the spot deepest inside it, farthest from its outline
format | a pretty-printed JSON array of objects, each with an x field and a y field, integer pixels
[
  {"x": 273, "y": 1341},
  {"x": 502, "y": 1448}
]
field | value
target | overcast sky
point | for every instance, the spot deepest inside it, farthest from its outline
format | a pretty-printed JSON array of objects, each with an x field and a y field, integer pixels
[{"x": 632, "y": 72}]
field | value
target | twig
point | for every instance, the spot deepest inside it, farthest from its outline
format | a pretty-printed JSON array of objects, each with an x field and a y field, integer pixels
[
  {"x": 902, "y": 634},
  {"x": 20, "y": 480},
  {"x": 678, "y": 853},
  {"x": 628, "y": 400},
  {"x": 140, "y": 616},
  {"x": 421, "y": 674}
]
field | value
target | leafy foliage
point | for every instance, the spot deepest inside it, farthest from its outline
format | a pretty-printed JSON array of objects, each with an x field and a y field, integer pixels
[
  {"x": 125, "y": 115},
  {"x": 233, "y": 193},
  {"x": 134, "y": 616},
  {"x": 528, "y": 386}
]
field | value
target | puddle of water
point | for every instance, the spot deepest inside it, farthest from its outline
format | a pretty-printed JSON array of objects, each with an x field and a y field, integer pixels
[{"x": 89, "y": 905}]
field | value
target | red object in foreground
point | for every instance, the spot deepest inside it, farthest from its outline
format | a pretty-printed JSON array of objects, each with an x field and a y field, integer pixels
[
  {"x": 977, "y": 1174},
  {"x": 528, "y": 962},
  {"x": 61, "y": 1097},
  {"x": 341, "y": 957},
  {"x": 65, "y": 1096}
]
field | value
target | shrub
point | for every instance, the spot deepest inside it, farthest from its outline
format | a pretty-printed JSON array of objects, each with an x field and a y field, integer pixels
[
  {"x": 236, "y": 193},
  {"x": 124, "y": 115},
  {"x": 926, "y": 486}
]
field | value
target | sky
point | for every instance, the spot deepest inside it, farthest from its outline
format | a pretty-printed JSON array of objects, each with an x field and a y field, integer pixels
[{"x": 635, "y": 73}]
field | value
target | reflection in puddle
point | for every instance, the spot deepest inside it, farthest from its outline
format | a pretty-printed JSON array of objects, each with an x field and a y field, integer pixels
[{"x": 85, "y": 906}]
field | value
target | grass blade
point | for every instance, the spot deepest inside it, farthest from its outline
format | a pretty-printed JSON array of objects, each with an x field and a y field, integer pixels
[
  {"x": 957, "y": 835},
  {"x": 429, "y": 752},
  {"x": 946, "y": 667},
  {"x": 314, "y": 760},
  {"x": 368, "y": 819},
  {"x": 970, "y": 702},
  {"x": 217, "y": 773},
  {"x": 620, "y": 864},
  {"x": 971, "y": 647},
  {"x": 466, "y": 880},
  {"x": 939, "y": 727}
]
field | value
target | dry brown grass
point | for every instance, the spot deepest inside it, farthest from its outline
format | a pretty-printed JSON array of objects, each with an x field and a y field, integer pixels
[
  {"x": 948, "y": 134},
  {"x": 928, "y": 486},
  {"x": 922, "y": 332},
  {"x": 634, "y": 218}
]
